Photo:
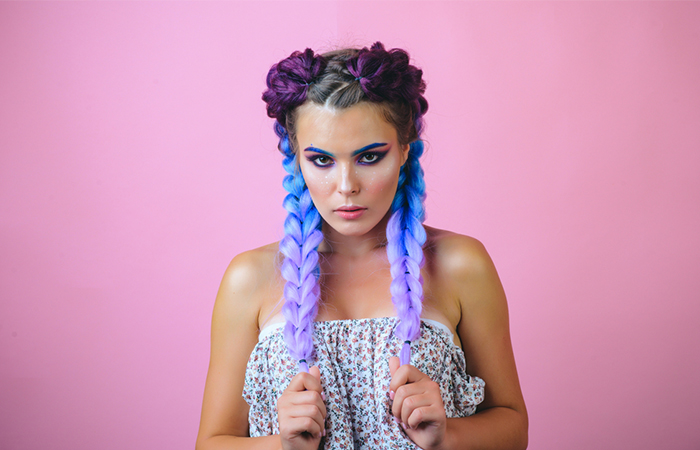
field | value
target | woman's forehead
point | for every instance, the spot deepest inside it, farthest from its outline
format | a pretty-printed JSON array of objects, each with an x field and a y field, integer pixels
[{"x": 342, "y": 129}]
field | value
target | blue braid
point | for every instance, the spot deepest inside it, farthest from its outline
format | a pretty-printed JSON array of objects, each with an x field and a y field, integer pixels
[
  {"x": 300, "y": 268},
  {"x": 405, "y": 239}
]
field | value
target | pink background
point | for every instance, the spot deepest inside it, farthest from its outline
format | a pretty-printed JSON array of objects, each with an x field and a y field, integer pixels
[{"x": 136, "y": 160}]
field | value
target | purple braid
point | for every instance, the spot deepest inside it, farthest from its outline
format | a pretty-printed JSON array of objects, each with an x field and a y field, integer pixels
[
  {"x": 387, "y": 76},
  {"x": 300, "y": 267},
  {"x": 342, "y": 79},
  {"x": 288, "y": 83}
]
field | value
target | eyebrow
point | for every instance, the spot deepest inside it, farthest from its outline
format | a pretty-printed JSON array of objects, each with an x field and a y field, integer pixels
[{"x": 355, "y": 153}]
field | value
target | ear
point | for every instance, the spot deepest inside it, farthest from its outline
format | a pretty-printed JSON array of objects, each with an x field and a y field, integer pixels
[{"x": 404, "y": 153}]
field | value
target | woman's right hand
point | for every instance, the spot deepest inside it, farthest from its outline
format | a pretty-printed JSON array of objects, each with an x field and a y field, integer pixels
[{"x": 301, "y": 412}]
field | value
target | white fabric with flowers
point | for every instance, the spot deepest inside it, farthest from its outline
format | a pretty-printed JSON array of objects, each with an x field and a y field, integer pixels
[{"x": 353, "y": 358}]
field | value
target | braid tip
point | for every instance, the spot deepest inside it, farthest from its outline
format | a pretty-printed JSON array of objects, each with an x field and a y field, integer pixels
[
  {"x": 303, "y": 366},
  {"x": 405, "y": 354}
]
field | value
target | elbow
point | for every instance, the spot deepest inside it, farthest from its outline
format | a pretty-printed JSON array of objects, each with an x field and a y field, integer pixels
[
  {"x": 516, "y": 437},
  {"x": 201, "y": 443},
  {"x": 522, "y": 432},
  {"x": 522, "y": 441}
]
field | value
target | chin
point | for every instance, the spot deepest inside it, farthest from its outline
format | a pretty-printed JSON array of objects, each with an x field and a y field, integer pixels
[
  {"x": 355, "y": 228},
  {"x": 351, "y": 229}
]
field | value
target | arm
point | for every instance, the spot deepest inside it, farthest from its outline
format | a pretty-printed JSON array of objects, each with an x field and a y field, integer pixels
[
  {"x": 468, "y": 274},
  {"x": 224, "y": 421},
  {"x": 501, "y": 420},
  {"x": 234, "y": 333}
]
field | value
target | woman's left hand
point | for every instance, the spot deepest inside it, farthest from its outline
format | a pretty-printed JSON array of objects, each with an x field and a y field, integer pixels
[{"x": 417, "y": 405}]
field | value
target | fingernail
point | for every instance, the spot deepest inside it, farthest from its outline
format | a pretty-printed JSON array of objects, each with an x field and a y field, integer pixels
[
  {"x": 403, "y": 425},
  {"x": 391, "y": 394},
  {"x": 323, "y": 396},
  {"x": 324, "y": 432}
]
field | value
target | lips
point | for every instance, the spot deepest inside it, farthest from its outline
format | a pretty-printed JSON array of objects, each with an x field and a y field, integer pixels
[{"x": 350, "y": 212}]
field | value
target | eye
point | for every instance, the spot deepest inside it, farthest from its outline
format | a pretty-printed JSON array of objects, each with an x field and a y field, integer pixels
[
  {"x": 371, "y": 157},
  {"x": 320, "y": 160}
]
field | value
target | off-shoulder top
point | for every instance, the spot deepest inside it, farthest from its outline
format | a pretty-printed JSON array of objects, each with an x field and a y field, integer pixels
[{"x": 353, "y": 358}]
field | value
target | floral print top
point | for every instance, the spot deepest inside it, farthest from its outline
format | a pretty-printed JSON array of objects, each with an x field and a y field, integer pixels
[{"x": 353, "y": 356}]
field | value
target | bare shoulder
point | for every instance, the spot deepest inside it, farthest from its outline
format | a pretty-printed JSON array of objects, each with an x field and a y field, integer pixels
[
  {"x": 250, "y": 280},
  {"x": 252, "y": 269},
  {"x": 469, "y": 276},
  {"x": 245, "y": 287},
  {"x": 458, "y": 258}
]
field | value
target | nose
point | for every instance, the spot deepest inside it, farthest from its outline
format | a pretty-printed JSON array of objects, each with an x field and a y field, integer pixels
[{"x": 349, "y": 183}]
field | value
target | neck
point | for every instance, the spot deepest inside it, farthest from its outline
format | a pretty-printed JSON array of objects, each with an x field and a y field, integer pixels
[{"x": 354, "y": 246}]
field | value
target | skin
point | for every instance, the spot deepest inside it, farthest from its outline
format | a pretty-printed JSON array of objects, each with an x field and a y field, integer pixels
[
  {"x": 461, "y": 289},
  {"x": 339, "y": 177}
]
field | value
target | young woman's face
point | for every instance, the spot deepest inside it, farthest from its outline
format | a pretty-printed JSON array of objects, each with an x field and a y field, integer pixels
[{"x": 350, "y": 159}]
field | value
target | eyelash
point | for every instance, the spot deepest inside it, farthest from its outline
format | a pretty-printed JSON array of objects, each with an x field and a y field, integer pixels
[
  {"x": 315, "y": 158},
  {"x": 378, "y": 155}
]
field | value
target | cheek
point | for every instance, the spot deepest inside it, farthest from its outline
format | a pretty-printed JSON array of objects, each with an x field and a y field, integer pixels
[
  {"x": 318, "y": 182},
  {"x": 382, "y": 182}
]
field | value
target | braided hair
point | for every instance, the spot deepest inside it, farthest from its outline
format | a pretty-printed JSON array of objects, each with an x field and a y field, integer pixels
[{"x": 341, "y": 79}]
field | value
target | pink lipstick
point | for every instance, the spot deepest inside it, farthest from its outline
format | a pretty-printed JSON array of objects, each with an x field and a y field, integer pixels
[{"x": 350, "y": 212}]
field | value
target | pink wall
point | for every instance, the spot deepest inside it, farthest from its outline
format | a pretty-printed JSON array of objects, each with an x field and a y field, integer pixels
[{"x": 136, "y": 157}]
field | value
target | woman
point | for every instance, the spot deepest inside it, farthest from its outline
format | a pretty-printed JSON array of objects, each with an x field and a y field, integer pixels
[{"x": 367, "y": 346}]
